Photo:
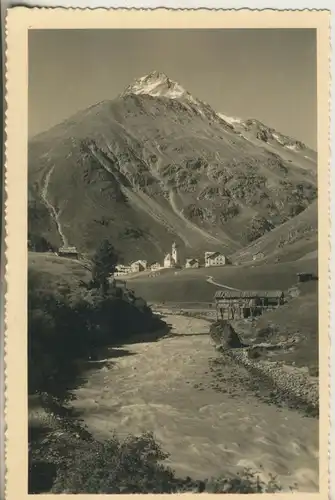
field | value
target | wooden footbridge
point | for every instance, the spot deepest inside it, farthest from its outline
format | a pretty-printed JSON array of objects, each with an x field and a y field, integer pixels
[{"x": 242, "y": 304}]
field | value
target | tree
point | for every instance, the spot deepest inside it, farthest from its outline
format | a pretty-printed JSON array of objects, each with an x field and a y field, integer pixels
[
  {"x": 38, "y": 243},
  {"x": 104, "y": 261}
]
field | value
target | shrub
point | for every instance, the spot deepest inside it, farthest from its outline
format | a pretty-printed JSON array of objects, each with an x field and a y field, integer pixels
[
  {"x": 132, "y": 465},
  {"x": 129, "y": 466},
  {"x": 37, "y": 243},
  {"x": 67, "y": 325},
  {"x": 247, "y": 482},
  {"x": 57, "y": 337}
]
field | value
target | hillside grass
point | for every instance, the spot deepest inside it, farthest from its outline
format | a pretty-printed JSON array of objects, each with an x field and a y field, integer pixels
[
  {"x": 298, "y": 317},
  {"x": 190, "y": 284},
  {"x": 288, "y": 242},
  {"x": 56, "y": 271}
]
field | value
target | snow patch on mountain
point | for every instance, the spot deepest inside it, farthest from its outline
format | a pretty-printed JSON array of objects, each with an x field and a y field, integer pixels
[
  {"x": 159, "y": 85},
  {"x": 230, "y": 119},
  {"x": 278, "y": 139},
  {"x": 156, "y": 84},
  {"x": 293, "y": 147},
  {"x": 264, "y": 133}
]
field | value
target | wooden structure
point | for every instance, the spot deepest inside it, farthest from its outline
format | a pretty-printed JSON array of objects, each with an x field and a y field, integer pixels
[
  {"x": 302, "y": 277},
  {"x": 69, "y": 252},
  {"x": 241, "y": 304}
]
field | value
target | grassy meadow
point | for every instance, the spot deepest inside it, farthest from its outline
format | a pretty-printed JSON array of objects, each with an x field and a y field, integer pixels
[{"x": 190, "y": 285}]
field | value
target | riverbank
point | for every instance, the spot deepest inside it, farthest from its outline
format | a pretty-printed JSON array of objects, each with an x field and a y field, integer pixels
[
  {"x": 280, "y": 384},
  {"x": 168, "y": 387},
  {"x": 274, "y": 382}
]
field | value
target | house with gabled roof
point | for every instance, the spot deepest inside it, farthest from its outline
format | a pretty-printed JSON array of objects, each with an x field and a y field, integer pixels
[
  {"x": 192, "y": 263},
  {"x": 215, "y": 259},
  {"x": 138, "y": 266}
]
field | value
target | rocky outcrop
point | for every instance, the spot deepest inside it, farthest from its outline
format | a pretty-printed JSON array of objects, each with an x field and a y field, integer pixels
[{"x": 224, "y": 335}]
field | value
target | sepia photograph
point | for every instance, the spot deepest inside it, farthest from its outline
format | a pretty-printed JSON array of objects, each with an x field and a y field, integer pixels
[{"x": 173, "y": 232}]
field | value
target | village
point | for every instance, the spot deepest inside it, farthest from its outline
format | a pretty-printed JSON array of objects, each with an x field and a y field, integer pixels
[{"x": 172, "y": 260}]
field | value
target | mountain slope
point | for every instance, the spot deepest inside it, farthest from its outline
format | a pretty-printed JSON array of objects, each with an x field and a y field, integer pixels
[
  {"x": 156, "y": 165},
  {"x": 270, "y": 138},
  {"x": 293, "y": 240}
]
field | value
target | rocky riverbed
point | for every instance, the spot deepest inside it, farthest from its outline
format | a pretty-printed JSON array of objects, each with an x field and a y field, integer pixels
[{"x": 285, "y": 384}]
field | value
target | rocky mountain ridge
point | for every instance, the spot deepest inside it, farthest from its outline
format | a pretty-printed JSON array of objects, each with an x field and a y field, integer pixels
[{"x": 156, "y": 165}]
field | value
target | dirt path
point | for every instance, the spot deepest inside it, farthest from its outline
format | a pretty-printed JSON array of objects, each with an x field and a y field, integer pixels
[
  {"x": 167, "y": 387},
  {"x": 211, "y": 280}
]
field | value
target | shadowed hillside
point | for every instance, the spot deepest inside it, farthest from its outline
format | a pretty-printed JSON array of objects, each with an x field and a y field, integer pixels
[{"x": 299, "y": 317}]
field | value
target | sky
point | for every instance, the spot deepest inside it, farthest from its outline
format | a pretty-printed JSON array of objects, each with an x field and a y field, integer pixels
[{"x": 268, "y": 74}]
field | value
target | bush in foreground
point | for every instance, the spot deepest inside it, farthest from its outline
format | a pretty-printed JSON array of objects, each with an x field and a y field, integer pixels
[
  {"x": 68, "y": 325},
  {"x": 133, "y": 465}
]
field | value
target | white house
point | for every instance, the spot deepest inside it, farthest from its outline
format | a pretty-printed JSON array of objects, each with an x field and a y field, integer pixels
[
  {"x": 192, "y": 263},
  {"x": 155, "y": 266},
  {"x": 171, "y": 259},
  {"x": 139, "y": 265},
  {"x": 121, "y": 270},
  {"x": 215, "y": 259}
]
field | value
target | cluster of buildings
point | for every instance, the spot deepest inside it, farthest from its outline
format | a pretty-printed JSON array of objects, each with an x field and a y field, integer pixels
[{"x": 171, "y": 260}]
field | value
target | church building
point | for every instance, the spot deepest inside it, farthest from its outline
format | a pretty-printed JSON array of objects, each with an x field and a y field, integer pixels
[{"x": 171, "y": 259}]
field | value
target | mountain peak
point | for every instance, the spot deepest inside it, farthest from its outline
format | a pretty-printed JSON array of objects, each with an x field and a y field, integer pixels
[
  {"x": 156, "y": 84},
  {"x": 156, "y": 74}
]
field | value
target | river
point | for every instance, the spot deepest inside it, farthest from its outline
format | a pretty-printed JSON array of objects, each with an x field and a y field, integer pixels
[{"x": 166, "y": 387}]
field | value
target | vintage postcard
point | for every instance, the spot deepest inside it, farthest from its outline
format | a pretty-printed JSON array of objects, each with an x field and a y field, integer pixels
[{"x": 167, "y": 215}]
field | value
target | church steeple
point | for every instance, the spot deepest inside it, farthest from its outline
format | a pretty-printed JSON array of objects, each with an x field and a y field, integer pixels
[{"x": 174, "y": 253}]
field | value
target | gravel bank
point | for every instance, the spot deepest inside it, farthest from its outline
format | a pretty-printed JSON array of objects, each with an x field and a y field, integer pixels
[
  {"x": 278, "y": 383},
  {"x": 273, "y": 382}
]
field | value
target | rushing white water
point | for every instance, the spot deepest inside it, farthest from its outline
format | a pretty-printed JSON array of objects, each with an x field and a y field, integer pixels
[
  {"x": 166, "y": 387},
  {"x": 53, "y": 212}
]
